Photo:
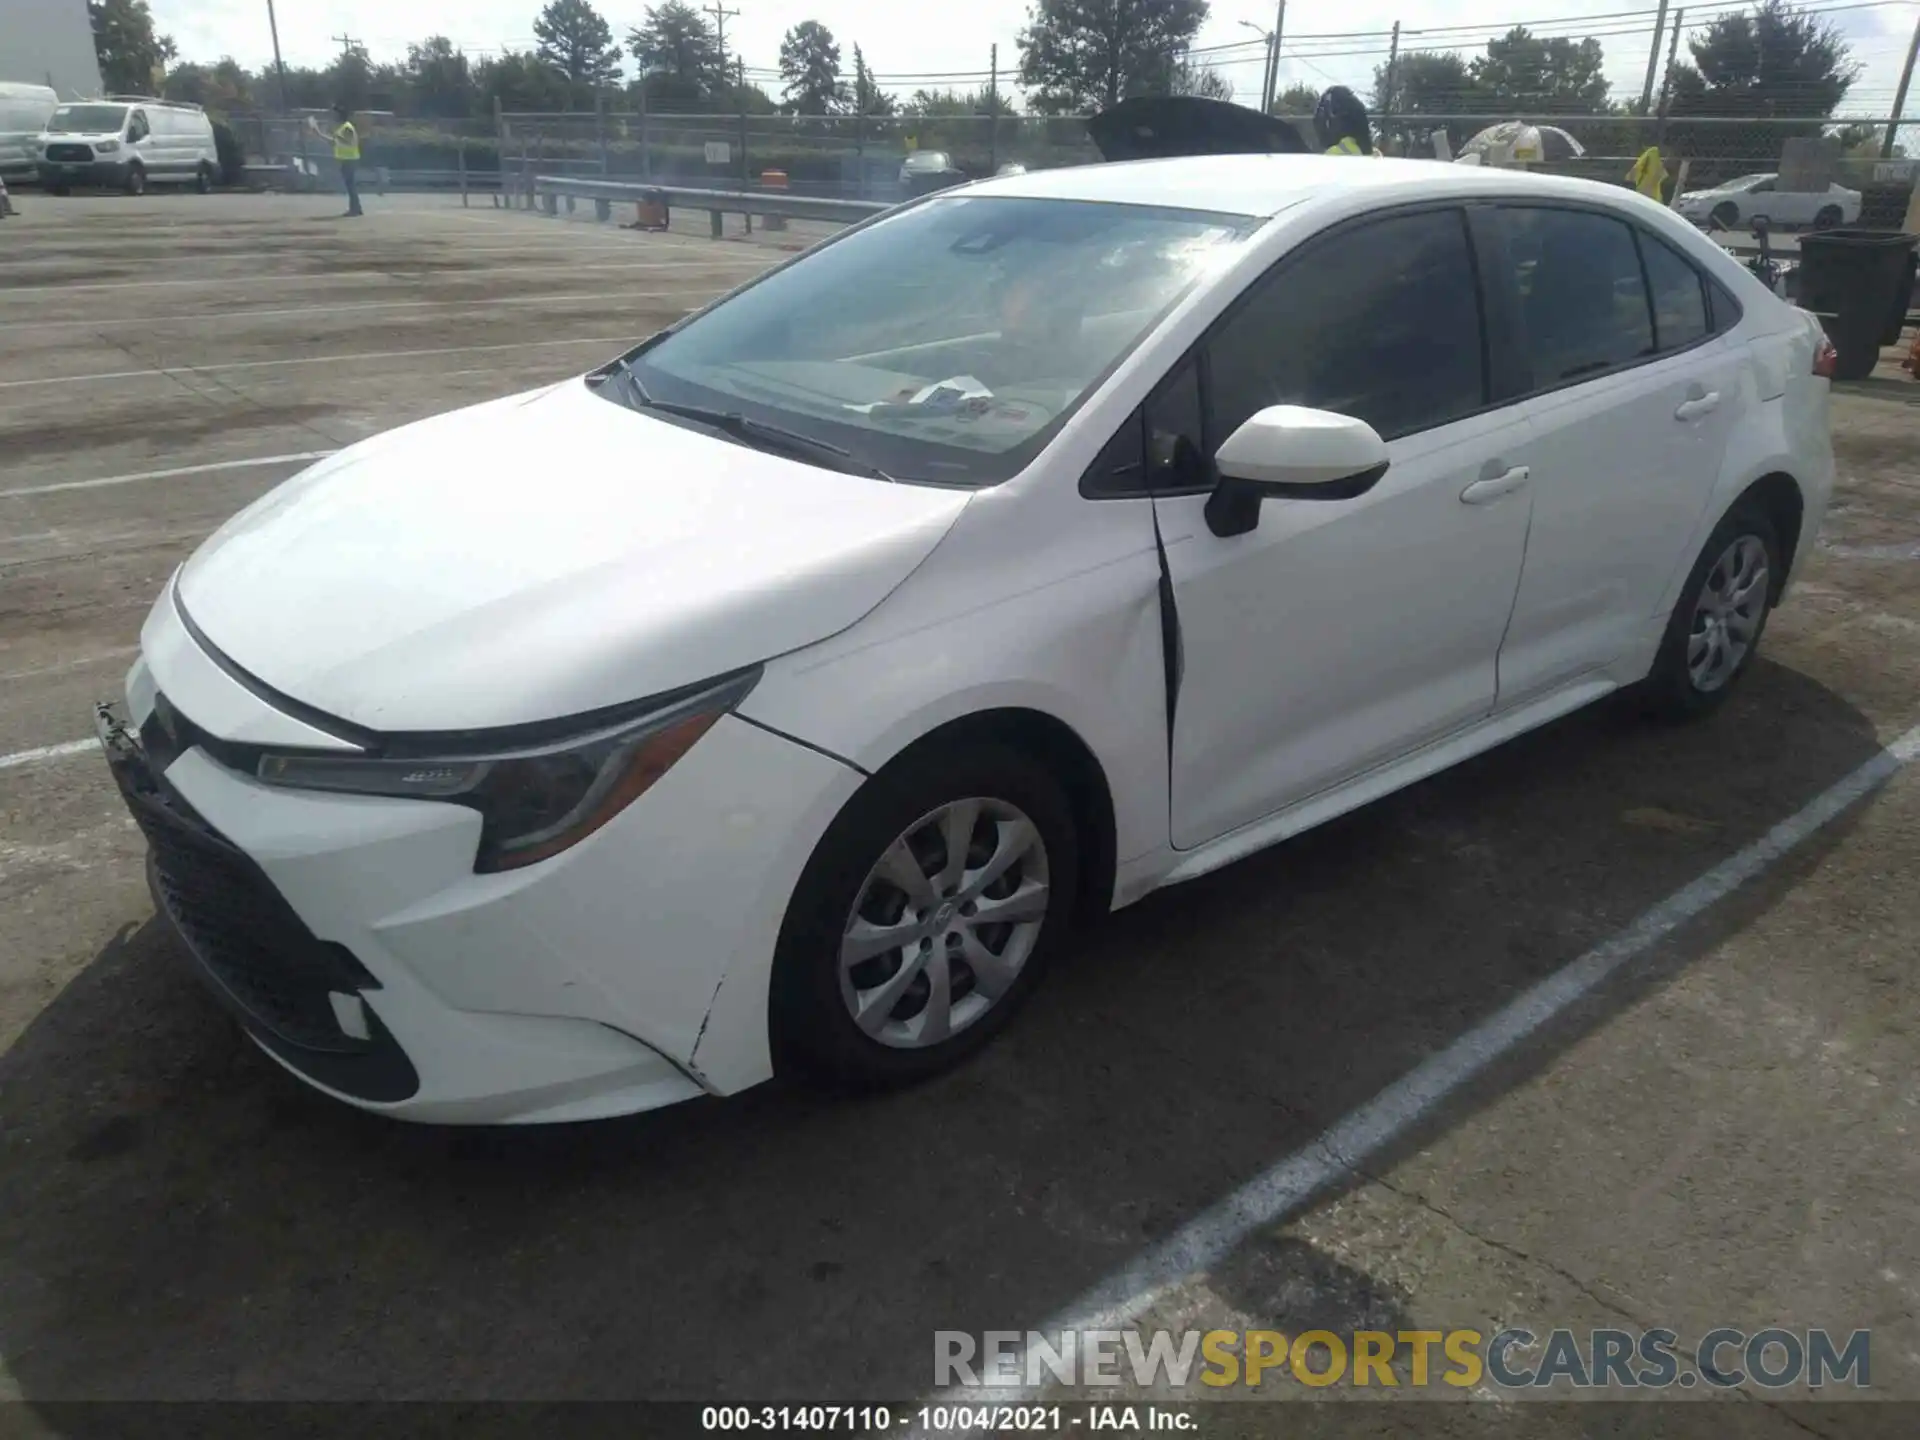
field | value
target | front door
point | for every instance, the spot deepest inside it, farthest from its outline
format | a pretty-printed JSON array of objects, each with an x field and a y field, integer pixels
[{"x": 1337, "y": 635}]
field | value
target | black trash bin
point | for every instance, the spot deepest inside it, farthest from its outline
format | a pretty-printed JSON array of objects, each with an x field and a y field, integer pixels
[{"x": 1860, "y": 282}]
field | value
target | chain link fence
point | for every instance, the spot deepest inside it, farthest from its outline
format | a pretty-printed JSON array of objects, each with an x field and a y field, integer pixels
[{"x": 860, "y": 157}]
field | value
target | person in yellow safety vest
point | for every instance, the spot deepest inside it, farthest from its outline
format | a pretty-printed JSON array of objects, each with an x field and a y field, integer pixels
[
  {"x": 1340, "y": 121},
  {"x": 1649, "y": 173},
  {"x": 346, "y": 152}
]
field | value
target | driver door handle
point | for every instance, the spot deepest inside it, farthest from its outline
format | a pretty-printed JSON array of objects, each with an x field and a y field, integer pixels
[
  {"x": 1694, "y": 409},
  {"x": 1480, "y": 492}
]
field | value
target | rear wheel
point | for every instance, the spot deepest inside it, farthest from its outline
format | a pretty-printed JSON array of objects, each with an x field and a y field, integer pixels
[
  {"x": 136, "y": 179},
  {"x": 60, "y": 189},
  {"x": 1726, "y": 214},
  {"x": 203, "y": 179},
  {"x": 1715, "y": 629},
  {"x": 1828, "y": 218},
  {"x": 925, "y": 918}
]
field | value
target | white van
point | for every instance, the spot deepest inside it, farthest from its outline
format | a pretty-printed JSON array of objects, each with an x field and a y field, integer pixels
[
  {"x": 23, "y": 115},
  {"x": 127, "y": 142}
]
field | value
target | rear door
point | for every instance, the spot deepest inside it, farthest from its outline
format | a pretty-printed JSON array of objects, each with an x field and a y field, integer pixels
[{"x": 1631, "y": 397}]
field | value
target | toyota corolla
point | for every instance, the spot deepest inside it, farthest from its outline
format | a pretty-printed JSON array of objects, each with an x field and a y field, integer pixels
[{"x": 780, "y": 693}]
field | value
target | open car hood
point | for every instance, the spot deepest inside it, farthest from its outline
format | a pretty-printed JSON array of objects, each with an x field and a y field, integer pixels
[{"x": 1159, "y": 127}]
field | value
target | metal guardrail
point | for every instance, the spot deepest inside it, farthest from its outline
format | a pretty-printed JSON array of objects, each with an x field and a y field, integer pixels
[{"x": 549, "y": 192}]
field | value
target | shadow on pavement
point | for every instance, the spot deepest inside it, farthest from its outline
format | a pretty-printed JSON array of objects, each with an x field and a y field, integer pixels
[{"x": 186, "y": 1221}]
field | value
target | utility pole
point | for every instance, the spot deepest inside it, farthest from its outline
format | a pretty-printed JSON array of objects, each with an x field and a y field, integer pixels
[
  {"x": 1900, "y": 95},
  {"x": 279, "y": 65},
  {"x": 1653, "y": 60},
  {"x": 993, "y": 106},
  {"x": 1393, "y": 65},
  {"x": 1666, "y": 80},
  {"x": 1273, "y": 56},
  {"x": 347, "y": 44},
  {"x": 720, "y": 15}
]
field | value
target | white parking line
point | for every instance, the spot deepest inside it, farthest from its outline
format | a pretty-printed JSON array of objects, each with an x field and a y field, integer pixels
[
  {"x": 47, "y": 752},
  {"x": 106, "y": 480},
  {"x": 209, "y": 317},
  {"x": 1338, "y": 1154},
  {"x": 315, "y": 360},
  {"x": 397, "y": 271}
]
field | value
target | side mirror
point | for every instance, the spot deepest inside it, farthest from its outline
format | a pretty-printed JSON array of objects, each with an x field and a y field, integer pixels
[{"x": 1288, "y": 452}]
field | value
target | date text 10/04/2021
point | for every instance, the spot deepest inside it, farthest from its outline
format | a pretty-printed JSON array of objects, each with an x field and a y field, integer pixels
[{"x": 960, "y": 1419}]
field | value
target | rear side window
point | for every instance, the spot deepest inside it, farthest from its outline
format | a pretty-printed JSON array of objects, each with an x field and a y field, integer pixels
[
  {"x": 1679, "y": 296},
  {"x": 1381, "y": 322},
  {"x": 1583, "y": 303},
  {"x": 1726, "y": 310}
]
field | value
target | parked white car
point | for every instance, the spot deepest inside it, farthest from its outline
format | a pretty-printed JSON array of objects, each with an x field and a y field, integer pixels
[
  {"x": 23, "y": 115},
  {"x": 781, "y": 692},
  {"x": 123, "y": 145},
  {"x": 1738, "y": 203}
]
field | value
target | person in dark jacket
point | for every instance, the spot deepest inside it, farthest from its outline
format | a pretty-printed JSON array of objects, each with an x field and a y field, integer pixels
[{"x": 1340, "y": 120}]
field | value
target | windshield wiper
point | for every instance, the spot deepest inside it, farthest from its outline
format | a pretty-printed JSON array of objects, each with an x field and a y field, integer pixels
[{"x": 747, "y": 429}]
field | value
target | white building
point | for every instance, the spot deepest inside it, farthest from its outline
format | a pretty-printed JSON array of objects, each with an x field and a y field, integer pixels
[{"x": 49, "y": 42}]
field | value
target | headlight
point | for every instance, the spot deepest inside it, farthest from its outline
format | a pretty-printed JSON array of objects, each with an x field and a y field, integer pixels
[
  {"x": 537, "y": 800},
  {"x": 106, "y": 147}
]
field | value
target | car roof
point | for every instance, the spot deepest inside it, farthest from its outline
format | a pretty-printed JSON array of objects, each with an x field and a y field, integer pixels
[{"x": 1264, "y": 185}]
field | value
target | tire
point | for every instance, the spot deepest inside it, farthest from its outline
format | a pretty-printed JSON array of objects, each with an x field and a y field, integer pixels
[
  {"x": 1676, "y": 688},
  {"x": 136, "y": 180},
  {"x": 203, "y": 179},
  {"x": 1829, "y": 218},
  {"x": 1726, "y": 214},
  {"x": 60, "y": 189},
  {"x": 902, "y": 810}
]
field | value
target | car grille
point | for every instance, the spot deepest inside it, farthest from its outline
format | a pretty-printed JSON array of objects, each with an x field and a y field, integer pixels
[
  {"x": 70, "y": 153},
  {"x": 240, "y": 928}
]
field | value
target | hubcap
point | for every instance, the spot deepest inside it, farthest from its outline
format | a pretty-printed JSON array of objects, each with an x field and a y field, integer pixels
[
  {"x": 1727, "y": 616},
  {"x": 944, "y": 923}
]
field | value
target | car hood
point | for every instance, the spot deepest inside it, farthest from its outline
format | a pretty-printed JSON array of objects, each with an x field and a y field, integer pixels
[
  {"x": 542, "y": 556},
  {"x": 1158, "y": 127}
]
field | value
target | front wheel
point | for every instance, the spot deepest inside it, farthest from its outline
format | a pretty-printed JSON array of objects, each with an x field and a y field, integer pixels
[
  {"x": 136, "y": 180},
  {"x": 1715, "y": 628},
  {"x": 925, "y": 918},
  {"x": 1726, "y": 214}
]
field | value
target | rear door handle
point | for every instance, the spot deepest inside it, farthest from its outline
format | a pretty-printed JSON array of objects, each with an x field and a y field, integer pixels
[
  {"x": 1480, "y": 492},
  {"x": 1694, "y": 409}
]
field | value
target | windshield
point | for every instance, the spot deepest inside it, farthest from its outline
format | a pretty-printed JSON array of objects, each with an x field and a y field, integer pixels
[
  {"x": 87, "y": 119},
  {"x": 928, "y": 160},
  {"x": 946, "y": 343}
]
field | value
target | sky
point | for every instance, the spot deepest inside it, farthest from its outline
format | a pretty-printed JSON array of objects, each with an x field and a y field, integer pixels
[{"x": 1324, "y": 41}]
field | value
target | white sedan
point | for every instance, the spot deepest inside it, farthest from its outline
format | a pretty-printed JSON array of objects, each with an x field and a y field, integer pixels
[
  {"x": 779, "y": 694},
  {"x": 1738, "y": 203}
]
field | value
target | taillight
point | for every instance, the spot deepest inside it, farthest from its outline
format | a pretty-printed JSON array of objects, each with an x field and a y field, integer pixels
[{"x": 1826, "y": 359}]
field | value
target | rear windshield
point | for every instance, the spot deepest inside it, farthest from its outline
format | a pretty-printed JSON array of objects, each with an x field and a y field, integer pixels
[{"x": 86, "y": 119}]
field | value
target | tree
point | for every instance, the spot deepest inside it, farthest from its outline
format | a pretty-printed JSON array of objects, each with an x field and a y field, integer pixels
[
  {"x": 221, "y": 88},
  {"x": 869, "y": 98},
  {"x": 1203, "y": 80},
  {"x": 944, "y": 104},
  {"x": 1425, "y": 82},
  {"x": 1528, "y": 75},
  {"x": 578, "y": 42},
  {"x": 1299, "y": 99},
  {"x": 128, "y": 50},
  {"x": 1078, "y": 55},
  {"x": 679, "y": 59},
  {"x": 810, "y": 64},
  {"x": 440, "y": 79},
  {"x": 520, "y": 80},
  {"x": 1771, "y": 61},
  {"x": 350, "y": 78}
]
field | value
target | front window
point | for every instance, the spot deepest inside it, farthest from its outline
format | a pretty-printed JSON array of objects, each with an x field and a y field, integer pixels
[
  {"x": 949, "y": 342},
  {"x": 87, "y": 120}
]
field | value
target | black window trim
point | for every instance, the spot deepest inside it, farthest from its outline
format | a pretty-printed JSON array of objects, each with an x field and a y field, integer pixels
[{"x": 1200, "y": 351}]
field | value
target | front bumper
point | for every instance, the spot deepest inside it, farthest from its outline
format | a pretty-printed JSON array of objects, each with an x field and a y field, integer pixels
[
  {"x": 108, "y": 174},
  {"x": 585, "y": 986}
]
